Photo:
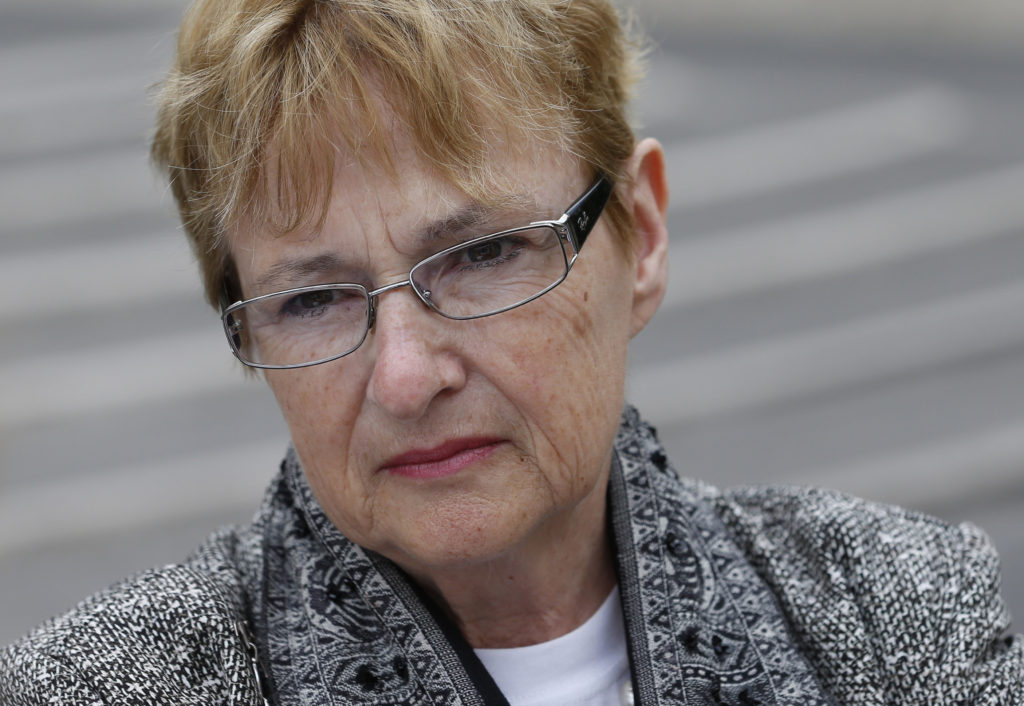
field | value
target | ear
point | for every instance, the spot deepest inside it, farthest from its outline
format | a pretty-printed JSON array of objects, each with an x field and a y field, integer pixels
[{"x": 647, "y": 196}]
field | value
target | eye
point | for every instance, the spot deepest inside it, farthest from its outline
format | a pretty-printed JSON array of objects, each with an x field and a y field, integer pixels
[
  {"x": 481, "y": 252},
  {"x": 313, "y": 300},
  {"x": 312, "y": 304}
]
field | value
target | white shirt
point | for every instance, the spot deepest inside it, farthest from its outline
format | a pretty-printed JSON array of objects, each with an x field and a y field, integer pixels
[{"x": 586, "y": 667}]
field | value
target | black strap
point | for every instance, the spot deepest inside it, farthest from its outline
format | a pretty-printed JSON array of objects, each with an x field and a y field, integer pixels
[
  {"x": 629, "y": 586},
  {"x": 449, "y": 640},
  {"x": 478, "y": 674}
]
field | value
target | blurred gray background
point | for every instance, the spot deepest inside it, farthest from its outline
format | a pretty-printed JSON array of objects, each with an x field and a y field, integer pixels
[{"x": 846, "y": 308}]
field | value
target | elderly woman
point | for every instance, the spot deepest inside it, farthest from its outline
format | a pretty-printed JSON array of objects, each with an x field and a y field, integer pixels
[{"x": 429, "y": 225}]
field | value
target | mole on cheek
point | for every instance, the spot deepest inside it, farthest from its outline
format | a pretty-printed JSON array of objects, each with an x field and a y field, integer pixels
[{"x": 580, "y": 324}]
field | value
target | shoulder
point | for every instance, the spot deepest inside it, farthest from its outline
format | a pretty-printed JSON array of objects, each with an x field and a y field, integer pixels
[
  {"x": 886, "y": 601},
  {"x": 165, "y": 636},
  {"x": 844, "y": 530}
]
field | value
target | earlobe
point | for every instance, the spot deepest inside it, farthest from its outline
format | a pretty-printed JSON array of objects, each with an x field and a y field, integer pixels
[{"x": 649, "y": 202}]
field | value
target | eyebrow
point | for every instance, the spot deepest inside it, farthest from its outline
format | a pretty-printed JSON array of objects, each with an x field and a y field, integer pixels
[
  {"x": 473, "y": 215},
  {"x": 299, "y": 268}
]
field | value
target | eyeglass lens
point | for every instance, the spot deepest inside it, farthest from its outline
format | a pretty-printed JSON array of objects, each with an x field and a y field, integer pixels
[
  {"x": 482, "y": 277},
  {"x": 493, "y": 274}
]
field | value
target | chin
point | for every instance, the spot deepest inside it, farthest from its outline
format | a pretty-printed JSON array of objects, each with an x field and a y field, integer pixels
[{"x": 462, "y": 537}]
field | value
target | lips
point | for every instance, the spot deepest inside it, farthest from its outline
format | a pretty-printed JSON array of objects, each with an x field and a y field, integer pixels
[{"x": 443, "y": 460}]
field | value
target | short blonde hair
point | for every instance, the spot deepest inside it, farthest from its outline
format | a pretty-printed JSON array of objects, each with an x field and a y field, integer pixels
[{"x": 293, "y": 77}]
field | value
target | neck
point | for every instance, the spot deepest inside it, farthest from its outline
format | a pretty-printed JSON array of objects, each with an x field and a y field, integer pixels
[{"x": 543, "y": 589}]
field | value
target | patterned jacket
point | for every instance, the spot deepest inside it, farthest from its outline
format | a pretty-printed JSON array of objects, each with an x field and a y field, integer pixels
[{"x": 749, "y": 596}]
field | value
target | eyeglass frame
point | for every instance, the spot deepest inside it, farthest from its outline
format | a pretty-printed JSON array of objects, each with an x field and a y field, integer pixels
[{"x": 573, "y": 226}]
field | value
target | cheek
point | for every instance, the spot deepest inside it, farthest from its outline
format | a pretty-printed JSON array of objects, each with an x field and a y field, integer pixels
[
  {"x": 566, "y": 373},
  {"x": 306, "y": 400},
  {"x": 320, "y": 417}
]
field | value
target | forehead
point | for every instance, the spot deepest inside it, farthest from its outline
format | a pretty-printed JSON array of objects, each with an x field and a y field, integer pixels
[{"x": 383, "y": 211}]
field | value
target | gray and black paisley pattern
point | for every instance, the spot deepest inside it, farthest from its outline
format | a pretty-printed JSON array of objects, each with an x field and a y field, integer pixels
[
  {"x": 710, "y": 627},
  {"x": 341, "y": 620},
  {"x": 752, "y": 596},
  {"x": 335, "y": 627}
]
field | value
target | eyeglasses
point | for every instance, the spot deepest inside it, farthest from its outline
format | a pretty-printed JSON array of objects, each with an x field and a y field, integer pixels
[{"x": 306, "y": 326}]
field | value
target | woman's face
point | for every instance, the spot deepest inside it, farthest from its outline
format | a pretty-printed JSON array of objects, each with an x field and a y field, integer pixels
[{"x": 442, "y": 443}]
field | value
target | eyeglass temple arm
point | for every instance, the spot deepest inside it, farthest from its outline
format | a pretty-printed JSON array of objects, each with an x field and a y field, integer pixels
[{"x": 582, "y": 216}]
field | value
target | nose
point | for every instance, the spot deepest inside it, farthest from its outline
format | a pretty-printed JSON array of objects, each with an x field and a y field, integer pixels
[{"x": 414, "y": 361}]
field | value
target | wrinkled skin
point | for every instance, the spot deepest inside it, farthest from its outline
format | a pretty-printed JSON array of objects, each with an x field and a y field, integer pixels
[{"x": 545, "y": 381}]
